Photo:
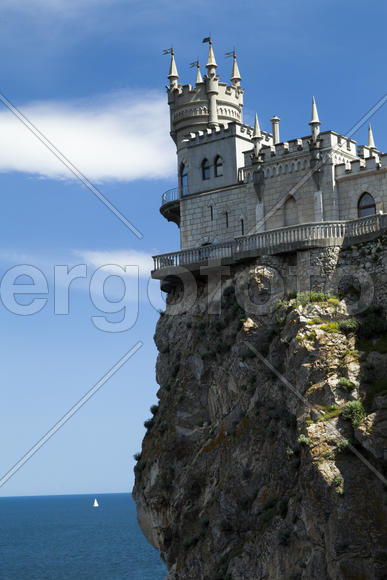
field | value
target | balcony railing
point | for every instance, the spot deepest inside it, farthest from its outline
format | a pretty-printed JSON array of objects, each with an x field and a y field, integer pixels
[
  {"x": 282, "y": 239},
  {"x": 173, "y": 194}
]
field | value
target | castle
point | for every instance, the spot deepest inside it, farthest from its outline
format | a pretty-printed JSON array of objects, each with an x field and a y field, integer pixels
[{"x": 242, "y": 191}]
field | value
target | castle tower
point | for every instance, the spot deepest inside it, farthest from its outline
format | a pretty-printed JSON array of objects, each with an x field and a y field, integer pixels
[{"x": 211, "y": 103}]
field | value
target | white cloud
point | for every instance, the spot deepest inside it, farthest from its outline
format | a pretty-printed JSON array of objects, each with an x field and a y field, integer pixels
[
  {"x": 122, "y": 258},
  {"x": 63, "y": 6},
  {"x": 124, "y": 136}
]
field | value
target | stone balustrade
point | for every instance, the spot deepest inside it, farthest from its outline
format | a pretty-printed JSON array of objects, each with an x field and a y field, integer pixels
[{"x": 285, "y": 239}]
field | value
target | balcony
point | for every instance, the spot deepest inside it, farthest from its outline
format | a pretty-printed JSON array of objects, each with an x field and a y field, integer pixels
[
  {"x": 287, "y": 239},
  {"x": 170, "y": 205}
]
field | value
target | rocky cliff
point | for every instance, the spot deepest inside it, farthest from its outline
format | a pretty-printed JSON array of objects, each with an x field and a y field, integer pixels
[{"x": 265, "y": 457}]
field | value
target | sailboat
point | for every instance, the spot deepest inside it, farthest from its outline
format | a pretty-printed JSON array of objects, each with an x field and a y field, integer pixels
[{"x": 95, "y": 504}]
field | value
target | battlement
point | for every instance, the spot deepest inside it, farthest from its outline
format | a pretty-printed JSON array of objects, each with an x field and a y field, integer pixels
[
  {"x": 232, "y": 129},
  {"x": 360, "y": 166}
]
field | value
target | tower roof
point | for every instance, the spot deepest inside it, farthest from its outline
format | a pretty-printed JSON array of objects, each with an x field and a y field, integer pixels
[
  {"x": 257, "y": 129},
  {"x": 199, "y": 78},
  {"x": 173, "y": 74},
  {"x": 314, "y": 119},
  {"x": 235, "y": 75},
  {"x": 371, "y": 142},
  {"x": 211, "y": 62}
]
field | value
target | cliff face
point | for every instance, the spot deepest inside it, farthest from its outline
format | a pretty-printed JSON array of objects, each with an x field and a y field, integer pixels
[{"x": 265, "y": 455}]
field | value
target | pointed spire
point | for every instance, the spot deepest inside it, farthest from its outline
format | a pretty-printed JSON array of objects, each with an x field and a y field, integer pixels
[
  {"x": 257, "y": 137},
  {"x": 371, "y": 142},
  {"x": 314, "y": 118},
  {"x": 199, "y": 78},
  {"x": 173, "y": 74},
  {"x": 235, "y": 75},
  {"x": 211, "y": 62},
  {"x": 257, "y": 129},
  {"x": 315, "y": 122}
]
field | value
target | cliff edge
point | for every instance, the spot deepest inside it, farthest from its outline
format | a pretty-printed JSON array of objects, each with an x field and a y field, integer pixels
[{"x": 266, "y": 455}]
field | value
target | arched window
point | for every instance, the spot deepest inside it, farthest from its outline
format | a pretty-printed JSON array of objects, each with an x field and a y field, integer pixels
[
  {"x": 366, "y": 205},
  {"x": 290, "y": 212},
  {"x": 205, "y": 169},
  {"x": 218, "y": 166},
  {"x": 183, "y": 179}
]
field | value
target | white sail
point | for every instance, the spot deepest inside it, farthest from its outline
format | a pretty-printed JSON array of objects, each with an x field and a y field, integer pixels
[{"x": 95, "y": 504}]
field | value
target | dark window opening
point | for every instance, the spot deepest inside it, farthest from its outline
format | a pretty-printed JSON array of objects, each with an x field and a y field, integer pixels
[
  {"x": 212, "y": 213},
  {"x": 205, "y": 169},
  {"x": 226, "y": 219},
  {"x": 218, "y": 166},
  {"x": 183, "y": 179},
  {"x": 366, "y": 205},
  {"x": 242, "y": 228}
]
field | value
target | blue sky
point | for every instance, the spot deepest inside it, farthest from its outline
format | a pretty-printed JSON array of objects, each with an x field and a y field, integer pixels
[{"x": 90, "y": 75}]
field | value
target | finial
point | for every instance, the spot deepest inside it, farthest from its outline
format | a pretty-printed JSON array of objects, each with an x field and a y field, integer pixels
[
  {"x": 173, "y": 74},
  {"x": 314, "y": 118},
  {"x": 315, "y": 122},
  {"x": 199, "y": 78},
  {"x": 257, "y": 136},
  {"x": 211, "y": 62},
  {"x": 235, "y": 76},
  {"x": 257, "y": 129},
  {"x": 371, "y": 142}
]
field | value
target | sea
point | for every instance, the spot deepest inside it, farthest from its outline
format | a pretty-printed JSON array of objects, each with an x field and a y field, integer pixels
[{"x": 63, "y": 537}]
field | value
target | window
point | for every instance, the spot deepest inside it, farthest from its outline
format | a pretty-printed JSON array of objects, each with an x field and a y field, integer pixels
[
  {"x": 366, "y": 205},
  {"x": 218, "y": 166},
  {"x": 211, "y": 213},
  {"x": 242, "y": 228},
  {"x": 183, "y": 179},
  {"x": 205, "y": 169},
  {"x": 290, "y": 212},
  {"x": 226, "y": 219}
]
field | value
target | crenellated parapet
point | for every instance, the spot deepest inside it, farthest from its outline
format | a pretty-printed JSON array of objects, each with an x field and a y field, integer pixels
[{"x": 361, "y": 166}]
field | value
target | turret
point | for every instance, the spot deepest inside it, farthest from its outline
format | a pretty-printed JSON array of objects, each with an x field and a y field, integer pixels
[
  {"x": 212, "y": 87},
  {"x": 198, "y": 75},
  {"x": 173, "y": 74},
  {"x": 257, "y": 136},
  {"x": 209, "y": 104},
  {"x": 315, "y": 122},
  {"x": 371, "y": 142},
  {"x": 235, "y": 75}
]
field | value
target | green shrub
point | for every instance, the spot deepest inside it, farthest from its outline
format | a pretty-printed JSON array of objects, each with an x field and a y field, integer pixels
[
  {"x": 154, "y": 409},
  {"x": 148, "y": 424},
  {"x": 355, "y": 412},
  {"x": 342, "y": 445},
  {"x": 137, "y": 456},
  {"x": 330, "y": 412},
  {"x": 348, "y": 326},
  {"x": 304, "y": 440},
  {"x": 303, "y": 298},
  {"x": 330, "y": 327},
  {"x": 338, "y": 481},
  {"x": 346, "y": 384}
]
